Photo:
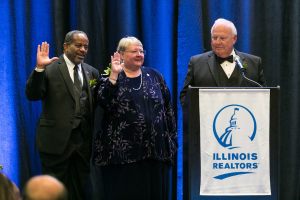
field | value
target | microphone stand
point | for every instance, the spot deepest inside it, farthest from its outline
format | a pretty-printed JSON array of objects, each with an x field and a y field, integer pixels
[
  {"x": 248, "y": 79},
  {"x": 242, "y": 70}
]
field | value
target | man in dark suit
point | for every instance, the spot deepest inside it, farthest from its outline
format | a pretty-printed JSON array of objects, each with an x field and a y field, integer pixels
[
  {"x": 64, "y": 130},
  {"x": 217, "y": 68}
]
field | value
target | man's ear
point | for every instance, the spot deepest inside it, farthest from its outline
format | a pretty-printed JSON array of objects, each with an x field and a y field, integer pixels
[
  {"x": 235, "y": 39},
  {"x": 65, "y": 46}
]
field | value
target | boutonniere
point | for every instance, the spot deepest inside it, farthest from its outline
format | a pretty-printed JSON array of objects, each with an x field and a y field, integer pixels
[
  {"x": 93, "y": 83},
  {"x": 107, "y": 70},
  {"x": 1, "y": 167},
  {"x": 245, "y": 64}
]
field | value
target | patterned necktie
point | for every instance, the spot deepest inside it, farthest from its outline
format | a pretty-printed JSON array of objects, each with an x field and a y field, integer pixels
[{"x": 77, "y": 82}]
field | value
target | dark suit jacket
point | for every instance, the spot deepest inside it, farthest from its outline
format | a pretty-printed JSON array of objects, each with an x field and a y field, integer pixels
[
  {"x": 203, "y": 72},
  {"x": 54, "y": 87}
]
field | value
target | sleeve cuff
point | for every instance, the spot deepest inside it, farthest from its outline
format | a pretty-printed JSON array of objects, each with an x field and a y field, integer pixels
[{"x": 39, "y": 70}]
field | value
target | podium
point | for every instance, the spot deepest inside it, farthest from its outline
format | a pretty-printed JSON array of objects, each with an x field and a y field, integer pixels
[{"x": 192, "y": 143}]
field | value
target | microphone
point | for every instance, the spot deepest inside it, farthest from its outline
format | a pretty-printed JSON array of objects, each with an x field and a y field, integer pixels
[
  {"x": 243, "y": 70},
  {"x": 238, "y": 62}
]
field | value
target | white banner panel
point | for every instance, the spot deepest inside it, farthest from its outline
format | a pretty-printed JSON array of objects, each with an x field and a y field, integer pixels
[{"x": 234, "y": 139}]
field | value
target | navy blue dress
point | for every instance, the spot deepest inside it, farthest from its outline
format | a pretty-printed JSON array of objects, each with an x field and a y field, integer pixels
[{"x": 139, "y": 134}]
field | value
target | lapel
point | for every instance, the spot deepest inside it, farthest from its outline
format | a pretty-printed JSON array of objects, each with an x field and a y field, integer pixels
[
  {"x": 66, "y": 76},
  {"x": 213, "y": 66},
  {"x": 87, "y": 77},
  {"x": 69, "y": 83}
]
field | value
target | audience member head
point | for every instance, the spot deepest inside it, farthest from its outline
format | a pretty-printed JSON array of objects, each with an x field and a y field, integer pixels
[
  {"x": 8, "y": 190},
  {"x": 44, "y": 187}
]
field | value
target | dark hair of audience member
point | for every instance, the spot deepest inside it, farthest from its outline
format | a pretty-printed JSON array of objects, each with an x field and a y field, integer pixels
[{"x": 8, "y": 190}]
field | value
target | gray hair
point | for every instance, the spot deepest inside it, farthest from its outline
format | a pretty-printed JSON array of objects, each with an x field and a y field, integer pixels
[
  {"x": 127, "y": 41},
  {"x": 70, "y": 36},
  {"x": 226, "y": 23}
]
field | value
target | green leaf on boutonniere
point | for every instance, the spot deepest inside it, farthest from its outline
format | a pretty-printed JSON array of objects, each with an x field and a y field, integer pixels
[
  {"x": 107, "y": 70},
  {"x": 245, "y": 65},
  {"x": 1, "y": 167},
  {"x": 93, "y": 82}
]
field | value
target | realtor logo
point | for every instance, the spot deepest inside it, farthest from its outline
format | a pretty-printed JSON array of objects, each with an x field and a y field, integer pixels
[
  {"x": 234, "y": 142},
  {"x": 234, "y": 126}
]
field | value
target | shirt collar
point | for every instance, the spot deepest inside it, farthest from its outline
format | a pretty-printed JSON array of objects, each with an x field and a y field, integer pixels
[
  {"x": 70, "y": 64},
  {"x": 233, "y": 53}
]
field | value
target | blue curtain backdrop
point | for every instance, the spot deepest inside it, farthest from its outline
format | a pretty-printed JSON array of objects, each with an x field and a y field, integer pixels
[{"x": 171, "y": 31}]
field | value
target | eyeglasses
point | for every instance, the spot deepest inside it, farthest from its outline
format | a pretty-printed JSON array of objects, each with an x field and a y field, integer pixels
[{"x": 136, "y": 52}]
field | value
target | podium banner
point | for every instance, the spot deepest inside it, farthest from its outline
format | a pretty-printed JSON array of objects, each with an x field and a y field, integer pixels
[{"x": 234, "y": 142}]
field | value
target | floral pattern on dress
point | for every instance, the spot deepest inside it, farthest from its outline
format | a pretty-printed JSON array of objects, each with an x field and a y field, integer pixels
[{"x": 137, "y": 124}]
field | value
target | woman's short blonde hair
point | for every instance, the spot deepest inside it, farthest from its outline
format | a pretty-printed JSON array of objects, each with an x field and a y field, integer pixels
[{"x": 127, "y": 41}]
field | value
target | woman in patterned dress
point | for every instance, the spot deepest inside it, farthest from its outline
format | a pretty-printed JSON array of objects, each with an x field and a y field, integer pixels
[{"x": 136, "y": 148}]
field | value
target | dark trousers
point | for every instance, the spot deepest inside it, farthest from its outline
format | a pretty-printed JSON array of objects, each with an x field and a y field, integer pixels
[{"x": 72, "y": 168}]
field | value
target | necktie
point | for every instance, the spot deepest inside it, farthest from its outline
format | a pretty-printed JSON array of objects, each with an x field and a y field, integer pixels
[
  {"x": 77, "y": 82},
  {"x": 221, "y": 60}
]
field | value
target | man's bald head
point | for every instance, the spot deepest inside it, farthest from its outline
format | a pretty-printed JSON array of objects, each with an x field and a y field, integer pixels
[{"x": 44, "y": 187}]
